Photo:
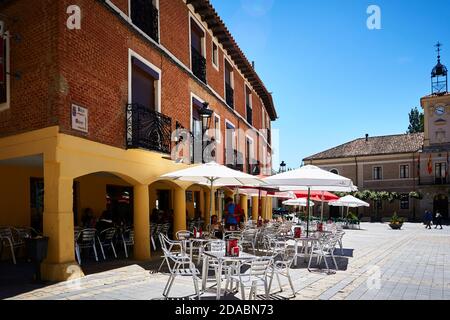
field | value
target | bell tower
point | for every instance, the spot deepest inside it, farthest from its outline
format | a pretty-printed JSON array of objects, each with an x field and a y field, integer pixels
[
  {"x": 439, "y": 79},
  {"x": 436, "y": 107}
]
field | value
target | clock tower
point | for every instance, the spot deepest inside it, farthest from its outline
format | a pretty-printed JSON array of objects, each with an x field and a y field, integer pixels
[{"x": 437, "y": 109}]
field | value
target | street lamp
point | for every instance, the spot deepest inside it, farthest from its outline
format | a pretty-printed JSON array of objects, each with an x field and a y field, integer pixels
[
  {"x": 282, "y": 167},
  {"x": 205, "y": 115}
]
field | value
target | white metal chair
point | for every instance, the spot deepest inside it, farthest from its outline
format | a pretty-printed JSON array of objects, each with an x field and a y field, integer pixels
[
  {"x": 106, "y": 239},
  {"x": 170, "y": 245},
  {"x": 256, "y": 276},
  {"x": 77, "y": 247},
  {"x": 281, "y": 263},
  {"x": 127, "y": 240},
  {"x": 182, "y": 266},
  {"x": 340, "y": 235},
  {"x": 152, "y": 235},
  {"x": 86, "y": 240},
  {"x": 10, "y": 237},
  {"x": 323, "y": 248},
  {"x": 248, "y": 238}
]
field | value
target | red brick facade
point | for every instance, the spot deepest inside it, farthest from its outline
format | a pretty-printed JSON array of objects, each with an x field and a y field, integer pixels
[{"x": 89, "y": 67}]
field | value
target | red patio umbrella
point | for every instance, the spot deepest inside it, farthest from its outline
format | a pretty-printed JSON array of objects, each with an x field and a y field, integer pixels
[{"x": 322, "y": 196}]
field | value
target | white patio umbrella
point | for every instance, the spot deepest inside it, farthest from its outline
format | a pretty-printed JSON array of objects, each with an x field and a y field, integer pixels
[
  {"x": 213, "y": 173},
  {"x": 311, "y": 177},
  {"x": 349, "y": 202}
]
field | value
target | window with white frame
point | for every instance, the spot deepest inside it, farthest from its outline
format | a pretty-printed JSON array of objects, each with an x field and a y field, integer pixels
[
  {"x": 145, "y": 84},
  {"x": 4, "y": 71},
  {"x": 215, "y": 55},
  {"x": 404, "y": 171},
  {"x": 144, "y": 14},
  {"x": 198, "y": 61},
  {"x": 248, "y": 105},
  {"x": 230, "y": 144},
  {"x": 377, "y": 173}
]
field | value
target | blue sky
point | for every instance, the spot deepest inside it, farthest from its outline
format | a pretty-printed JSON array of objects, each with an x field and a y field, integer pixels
[{"x": 333, "y": 79}]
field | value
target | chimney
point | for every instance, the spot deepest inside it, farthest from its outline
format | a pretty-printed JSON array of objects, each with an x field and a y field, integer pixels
[
  {"x": 253, "y": 65},
  {"x": 367, "y": 137}
]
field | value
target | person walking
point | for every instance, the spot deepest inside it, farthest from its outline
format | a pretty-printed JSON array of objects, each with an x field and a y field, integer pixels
[
  {"x": 438, "y": 220},
  {"x": 428, "y": 219}
]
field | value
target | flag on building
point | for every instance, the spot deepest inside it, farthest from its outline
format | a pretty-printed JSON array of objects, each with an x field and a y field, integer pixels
[{"x": 430, "y": 165}]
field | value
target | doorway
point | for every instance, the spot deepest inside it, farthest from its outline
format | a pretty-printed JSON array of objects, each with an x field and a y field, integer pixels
[
  {"x": 120, "y": 203},
  {"x": 440, "y": 204}
]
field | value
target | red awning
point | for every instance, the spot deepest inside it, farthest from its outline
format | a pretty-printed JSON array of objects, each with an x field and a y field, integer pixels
[{"x": 317, "y": 195}]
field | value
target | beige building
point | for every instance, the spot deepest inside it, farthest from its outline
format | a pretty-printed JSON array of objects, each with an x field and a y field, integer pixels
[{"x": 401, "y": 163}]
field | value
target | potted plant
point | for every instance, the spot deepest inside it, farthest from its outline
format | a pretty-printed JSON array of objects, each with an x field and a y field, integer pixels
[{"x": 396, "y": 222}]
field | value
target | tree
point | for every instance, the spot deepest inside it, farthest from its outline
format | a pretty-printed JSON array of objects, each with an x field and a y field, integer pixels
[{"x": 416, "y": 121}]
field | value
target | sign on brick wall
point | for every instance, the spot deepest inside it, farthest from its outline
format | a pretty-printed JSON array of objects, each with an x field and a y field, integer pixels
[{"x": 79, "y": 118}]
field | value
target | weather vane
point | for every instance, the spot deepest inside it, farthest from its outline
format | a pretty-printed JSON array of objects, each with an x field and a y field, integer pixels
[{"x": 438, "y": 46}]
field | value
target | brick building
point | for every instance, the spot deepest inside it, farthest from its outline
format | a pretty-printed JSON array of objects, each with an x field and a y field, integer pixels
[
  {"x": 401, "y": 163},
  {"x": 99, "y": 98}
]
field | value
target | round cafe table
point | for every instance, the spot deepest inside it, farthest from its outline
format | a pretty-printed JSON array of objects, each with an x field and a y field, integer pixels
[{"x": 221, "y": 258}]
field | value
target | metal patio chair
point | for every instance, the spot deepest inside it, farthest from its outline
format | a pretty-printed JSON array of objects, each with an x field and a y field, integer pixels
[
  {"x": 9, "y": 237},
  {"x": 86, "y": 240},
  {"x": 323, "y": 248},
  {"x": 106, "y": 239},
  {"x": 127, "y": 240},
  {"x": 256, "y": 276},
  {"x": 180, "y": 266}
]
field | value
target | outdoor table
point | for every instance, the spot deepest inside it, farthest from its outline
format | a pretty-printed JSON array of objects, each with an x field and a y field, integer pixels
[
  {"x": 221, "y": 258},
  {"x": 305, "y": 244}
]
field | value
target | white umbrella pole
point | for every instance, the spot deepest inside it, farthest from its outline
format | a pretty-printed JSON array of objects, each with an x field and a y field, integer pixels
[
  {"x": 308, "y": 208},
  {"x": 211, "y": 199}
]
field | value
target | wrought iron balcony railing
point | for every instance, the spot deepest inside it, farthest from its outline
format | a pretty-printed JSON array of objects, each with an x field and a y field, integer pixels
[
  {"x": 145, "y": 16},
  {"x": 198, "y": 64},
  {"x": 249, "y": 115},
  {"x": 148, "y": 129},
  {"x": 229, "y": 95}
]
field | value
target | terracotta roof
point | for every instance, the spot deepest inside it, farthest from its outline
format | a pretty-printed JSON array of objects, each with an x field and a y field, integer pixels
[
  {"x": 205, "y": 9},
  {"x": 402, "y": 143}
]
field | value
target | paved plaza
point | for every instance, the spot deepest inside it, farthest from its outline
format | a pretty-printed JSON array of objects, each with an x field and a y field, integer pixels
[{"x": 377, "y": 263}]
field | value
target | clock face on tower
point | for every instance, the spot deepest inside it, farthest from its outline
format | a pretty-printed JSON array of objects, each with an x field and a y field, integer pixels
[{"x": 439, "y": 110}]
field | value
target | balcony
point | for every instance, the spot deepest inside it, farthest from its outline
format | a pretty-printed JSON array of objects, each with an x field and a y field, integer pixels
[
  {"x": 147, "y": 129},
  {"x": 249, "y": 115},
  {"x": 145, "y": 16},
  {"x": 198, "y": 65},
  {"x": 229, "y": 95}
]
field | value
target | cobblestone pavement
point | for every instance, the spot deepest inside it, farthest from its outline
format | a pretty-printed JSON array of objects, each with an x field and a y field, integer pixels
[{"x": 377, "y": 263}]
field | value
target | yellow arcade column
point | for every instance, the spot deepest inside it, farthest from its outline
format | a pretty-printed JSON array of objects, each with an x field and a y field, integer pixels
[
  {"x": 255, "y": 208},
  {"x": 263, "y": 208},
  {"x": 141, "y": 223},
  {"x": 269, "y": 208},
  {"x": 179, "y": 208},
  {"x": 58, "y": 225},
  {"x": 244, "y": 205}
]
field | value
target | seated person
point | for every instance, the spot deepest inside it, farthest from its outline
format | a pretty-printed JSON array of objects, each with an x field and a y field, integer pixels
[
  {"x": 105, "y": 221},
  {"x": 88, "y": 220},
  {"x": 216, "y": 227}
]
